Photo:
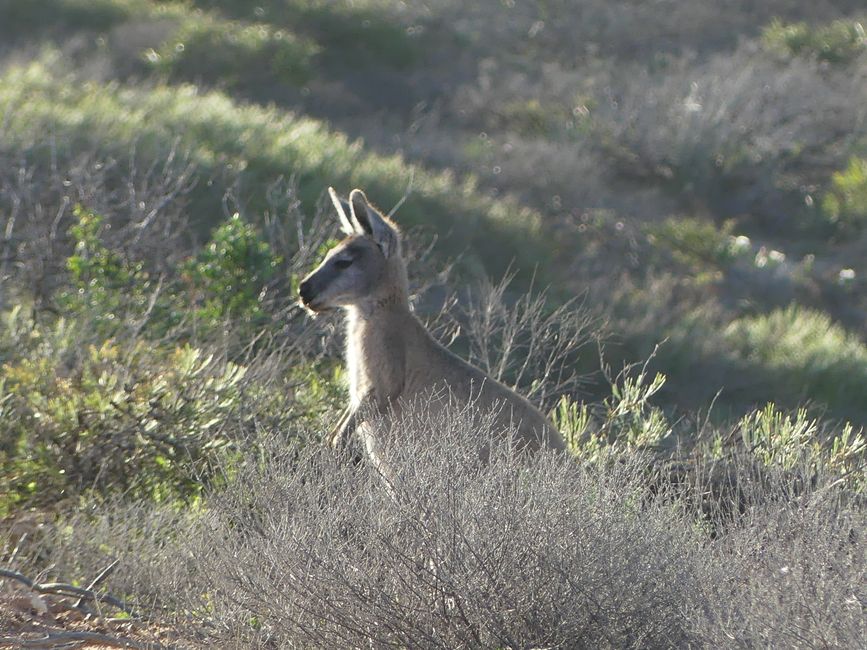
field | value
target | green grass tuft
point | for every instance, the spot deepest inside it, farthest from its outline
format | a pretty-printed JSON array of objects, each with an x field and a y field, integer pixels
[{"x": 807, "y": 353}]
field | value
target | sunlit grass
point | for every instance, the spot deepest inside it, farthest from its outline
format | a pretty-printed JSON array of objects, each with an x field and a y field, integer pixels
[
  {"x": 808, "y": 354},
  {"x": 263, "y": 144}
]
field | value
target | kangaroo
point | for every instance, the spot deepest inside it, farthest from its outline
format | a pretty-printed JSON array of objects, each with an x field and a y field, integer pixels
[{"x": 391, "y": 358}]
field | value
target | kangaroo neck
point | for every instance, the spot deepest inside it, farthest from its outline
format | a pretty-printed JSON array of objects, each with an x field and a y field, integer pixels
[
  {"x": 379, "y": 315},
  {"x": 376, "y": 350}
]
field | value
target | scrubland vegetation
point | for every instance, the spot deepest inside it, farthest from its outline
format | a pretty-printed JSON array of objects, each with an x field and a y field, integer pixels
[{"x": 648, "y": 217}]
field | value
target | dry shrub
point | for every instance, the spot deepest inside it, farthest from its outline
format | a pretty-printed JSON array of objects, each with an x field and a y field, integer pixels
[
  {"x": 523, "y": 340},
  {"x": 737, "y": 132},
  {"x": 518, "y": 553},
  {"x": 787, "y": 556},
  {"x": 302, "y": 549}
]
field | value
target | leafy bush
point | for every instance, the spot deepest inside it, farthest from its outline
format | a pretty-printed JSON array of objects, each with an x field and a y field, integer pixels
[
  {"x": 770, "y": 442},
  {"x": 229, "y": 277},
  {"x": 845, "y": 203},
  {"x": 105, "y": 399},
  {"x": 625, "y": 422},
  {"x": 226, "y": 280},
  {"x": 777, "y": 439},
  {"x": 695, "y": 243},
  {"x": 837, "y": 42},
  {"x": 107, "y": 288},
  {"x": 111, "y": 418},
  {"x": 528, "y": 118},
  {"x": 143, "y": 418}
]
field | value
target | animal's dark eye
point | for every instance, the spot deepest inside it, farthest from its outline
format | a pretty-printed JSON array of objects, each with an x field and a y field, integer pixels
[{"x": 342, "y": 264}]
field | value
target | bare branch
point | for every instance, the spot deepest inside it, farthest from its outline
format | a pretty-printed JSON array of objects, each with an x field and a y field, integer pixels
[
  {"x": 65, "y": 589},
  {"x": 58, "y": 639}
]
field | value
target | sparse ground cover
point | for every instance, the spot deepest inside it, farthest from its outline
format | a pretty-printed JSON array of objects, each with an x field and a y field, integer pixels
[{"x": 693, "y": 172}]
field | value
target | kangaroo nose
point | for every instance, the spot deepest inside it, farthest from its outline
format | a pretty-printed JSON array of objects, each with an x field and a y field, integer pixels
[{"x": 305, "y": 291}]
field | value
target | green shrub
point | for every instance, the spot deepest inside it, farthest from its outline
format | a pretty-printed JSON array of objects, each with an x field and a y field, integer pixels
[
  {"x": 530, "y": 118},
  {"x": 112, "y": 397},
  {"x": 228, "y": 278},
  {"x": 845, "y": 202},
  {"x": 695, "y": 243},
  {"x": 627, "y": 421},
  {"x": 108, "y": 417},
  {"x": 836, "y": 42},
  {"x": 145, "y": 419},
  {"x": 778, "y": 439},
  {"x": 111, "y": 291}
]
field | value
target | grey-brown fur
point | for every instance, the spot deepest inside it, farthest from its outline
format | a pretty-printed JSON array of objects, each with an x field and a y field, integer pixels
[{"x": 391, "y": 358}]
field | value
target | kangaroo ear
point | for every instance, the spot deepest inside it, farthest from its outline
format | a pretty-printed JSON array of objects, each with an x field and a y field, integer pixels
[
  {"x": 380, "y": 228},
  {"x": 344, "y": 211}
]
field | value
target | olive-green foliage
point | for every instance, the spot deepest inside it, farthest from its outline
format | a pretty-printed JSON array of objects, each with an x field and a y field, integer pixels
[
  {"x": 629, "y": 422},
  {"x": 626, "y": 422},
  {"x": 530, "y": 118},
  {"x": 836, "y": 42},
  {"x": 778, "y": 439},
  {"x": 112, "y": 417},
  {"x": 227, "y": 279},
  {"x": 144, "y": 420},
  {"x": 101, "y": 399},
  {"x": 110, "y": 289},
  {"x": 845, "y": 203},
  {"x": 696, "y": 243}
]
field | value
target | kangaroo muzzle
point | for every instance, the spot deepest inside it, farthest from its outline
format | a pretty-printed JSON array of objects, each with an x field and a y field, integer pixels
[
  {"x": 306, "y": 292},
  {"x": 310, "y": 296}
]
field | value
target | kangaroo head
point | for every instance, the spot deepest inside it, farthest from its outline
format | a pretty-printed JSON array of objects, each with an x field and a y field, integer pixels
[{"x": 366, "y": 268}]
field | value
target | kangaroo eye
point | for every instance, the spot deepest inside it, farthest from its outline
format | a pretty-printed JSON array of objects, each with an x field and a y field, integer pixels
[{"x": 342, "y": 264}]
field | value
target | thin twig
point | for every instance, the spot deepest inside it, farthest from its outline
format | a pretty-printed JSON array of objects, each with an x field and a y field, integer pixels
[
  {"x": 406, "y": 193},
  {"x": 107, "y": 571},
  {"x": 17, "y": 548}
]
